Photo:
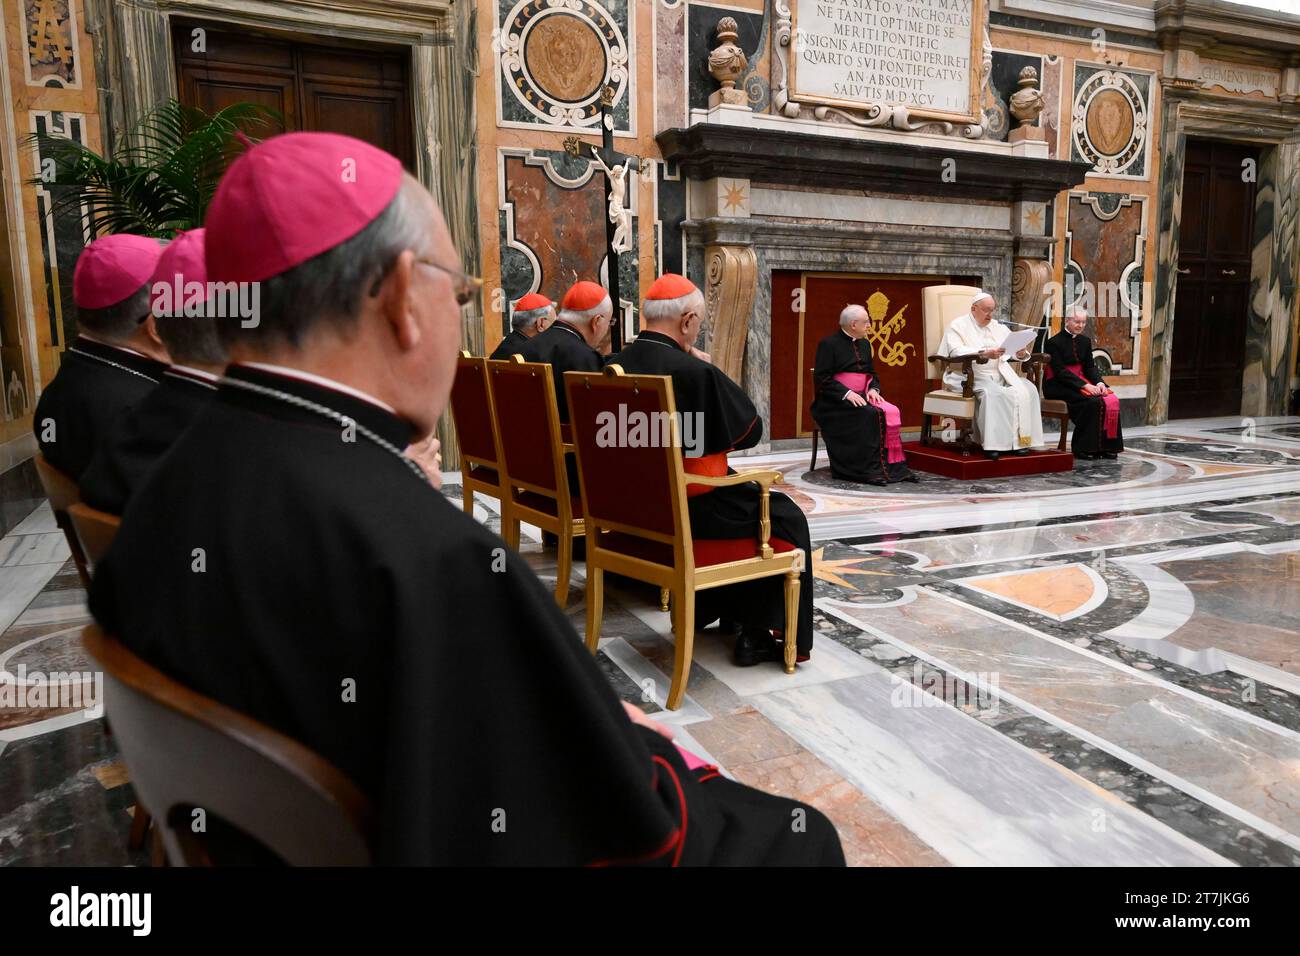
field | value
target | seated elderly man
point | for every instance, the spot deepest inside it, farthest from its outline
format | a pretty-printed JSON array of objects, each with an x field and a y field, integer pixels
[
  {"x": 673, "y": 313},
  {"x": 570, "y": 344},
  {"x": 861, "y": 429},
  {"x": 1073, "y": 377},
  {"x": 116, "y": 359},
  {"x": 1007, "y": 415},
  {"x": 529, "y": 317}
]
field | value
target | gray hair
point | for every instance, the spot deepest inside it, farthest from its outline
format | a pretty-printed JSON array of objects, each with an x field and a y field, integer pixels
[
  {"x": 117, "y": 323},
  {"x": 665, "y": 310},
  {"x": 851, "y": 314},
  {"x": 191, "y": 336},
  {"x": 528, "y": 318},
  {"x": 330, "y": 288},
  {"x": 1077, "y": 310},
  {"x": 574, "y": 317}
]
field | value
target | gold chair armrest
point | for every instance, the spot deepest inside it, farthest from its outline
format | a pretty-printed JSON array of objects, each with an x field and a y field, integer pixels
[{"x": 765, "y": 480}]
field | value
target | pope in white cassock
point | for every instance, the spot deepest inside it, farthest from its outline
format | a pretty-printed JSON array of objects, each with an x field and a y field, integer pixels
[{"x": 1007, "y": 416}]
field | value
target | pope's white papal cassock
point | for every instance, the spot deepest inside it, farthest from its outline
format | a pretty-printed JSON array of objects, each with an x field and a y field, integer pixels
[{"x": 1007, "y": 416}]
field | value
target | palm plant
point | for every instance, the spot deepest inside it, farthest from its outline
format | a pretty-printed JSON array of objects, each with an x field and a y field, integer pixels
[{"x": 162, "y": 178}]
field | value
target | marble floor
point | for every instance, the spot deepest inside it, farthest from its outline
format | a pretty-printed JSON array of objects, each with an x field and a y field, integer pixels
[{"x": 1095, "y": 668}]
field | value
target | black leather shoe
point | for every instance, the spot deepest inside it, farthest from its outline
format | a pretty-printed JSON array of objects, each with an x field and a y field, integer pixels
[
  {"x": 993, "y": 455},
  {"x": 911, "y": 477},
  {"x": 755, "y": 646},
  {"x": 1110, "y": 455},
  {"x": 1021, "y": 451},
  {"x": 878, "y": 482}
]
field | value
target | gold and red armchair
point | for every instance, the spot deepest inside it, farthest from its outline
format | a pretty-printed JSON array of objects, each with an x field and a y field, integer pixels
[{"x": 637, "y": 520}]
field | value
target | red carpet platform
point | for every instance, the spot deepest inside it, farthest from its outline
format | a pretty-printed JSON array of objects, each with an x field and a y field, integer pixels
[{"x": 953, "y": 464}]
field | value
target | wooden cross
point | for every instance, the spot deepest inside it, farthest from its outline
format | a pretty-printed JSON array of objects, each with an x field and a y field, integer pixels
[{"x": 610, "y": 160}]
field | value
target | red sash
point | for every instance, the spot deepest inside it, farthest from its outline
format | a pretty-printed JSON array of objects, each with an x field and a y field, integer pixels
[
  {"x": 858, "y": 382},
  {"x": 710, "y": 466}
]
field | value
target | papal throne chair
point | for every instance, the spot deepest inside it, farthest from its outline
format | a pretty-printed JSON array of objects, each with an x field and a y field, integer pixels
[
  {"x": 637, "y": 523},
  {"x": 943, "y": 305},
  {"x": 536, "y": 479}
]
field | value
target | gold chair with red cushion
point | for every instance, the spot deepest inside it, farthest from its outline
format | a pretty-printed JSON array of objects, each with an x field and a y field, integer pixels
[
  {"x": 476, "y": 430},
  {"x": 535, "y": 478},
  {"x": 637, "y": 521}
]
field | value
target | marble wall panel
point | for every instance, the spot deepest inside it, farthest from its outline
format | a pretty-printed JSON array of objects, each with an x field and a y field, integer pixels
[
  {"x": 1105, "y": 252},
  {"x": 1111, "y": 119}
]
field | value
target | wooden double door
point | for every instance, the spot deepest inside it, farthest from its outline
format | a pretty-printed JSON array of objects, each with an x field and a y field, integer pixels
[
  {"x": 1212, "y": 303},
  {"x": 362, "y": 91}
]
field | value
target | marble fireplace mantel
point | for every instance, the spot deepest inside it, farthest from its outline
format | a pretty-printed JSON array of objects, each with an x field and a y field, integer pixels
[{"x": 897, "y": 164}]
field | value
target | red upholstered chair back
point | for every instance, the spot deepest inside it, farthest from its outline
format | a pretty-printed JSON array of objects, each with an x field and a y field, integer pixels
[
  {"x": 523, "y": 395},
  {"x": 471, "y": 410},
  {"x": 631, "y": 480}
]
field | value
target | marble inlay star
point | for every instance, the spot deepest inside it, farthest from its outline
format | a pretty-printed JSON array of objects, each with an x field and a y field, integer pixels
[{"x": 832, "y": 569}]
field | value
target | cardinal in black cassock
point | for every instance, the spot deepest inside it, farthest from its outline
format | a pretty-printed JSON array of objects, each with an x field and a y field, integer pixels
[
  {"x": 142, "y": 435},
  {"x": 569, "y": 345},
  {"x": 1073, "y": 377},
  {"x": 287, "y": 559},
  {"x": 861, "y": 429},
  {"x": 114, "y": 362},
  {"x": 672, "y": 313},
  {"x": 529, "y": 317}
]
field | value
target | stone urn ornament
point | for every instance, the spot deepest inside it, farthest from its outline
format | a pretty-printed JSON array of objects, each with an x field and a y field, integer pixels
[
  {"x": 1027, "y": 105},
  {"x": 727, "y": 63}
]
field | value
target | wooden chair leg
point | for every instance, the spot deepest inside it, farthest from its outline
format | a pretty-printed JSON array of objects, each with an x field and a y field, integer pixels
[
  {"x": 925, "y": 430},
  {"x": 791, "y": 620},
  {"x": 684, "y": 635},
  {"x": 595, "y": 604},
  {"x": 467, "y": 499},
  {"x": 563, "y": 566},
  {"x": 158, "y": 849},
  {"x": 663, "y": 599},
  {"x": 816, "y": 436},
  {"x": 140, "y": 821},
  {"x": 509, "y": 526},
  {"x": 1065, "y": 427}
]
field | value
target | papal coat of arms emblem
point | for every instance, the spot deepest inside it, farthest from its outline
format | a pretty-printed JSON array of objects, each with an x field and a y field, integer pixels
[{"x": 883, "y": 330}]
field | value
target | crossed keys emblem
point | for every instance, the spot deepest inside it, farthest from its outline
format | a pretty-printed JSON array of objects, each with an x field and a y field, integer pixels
[{"x": 881, "y": 331}]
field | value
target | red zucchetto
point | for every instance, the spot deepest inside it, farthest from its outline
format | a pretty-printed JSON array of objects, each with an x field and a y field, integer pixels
[
  {"x": 532, "y": 301},
  {"x": 114, "y": 268},
  {"x": 293, "y": 197},
  {"x": 583, "y": 296},
  {"x": 670, "y": 286}
]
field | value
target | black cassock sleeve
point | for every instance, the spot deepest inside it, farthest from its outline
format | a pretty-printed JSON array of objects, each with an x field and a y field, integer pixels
[
  {"x": 826, "y": 366},
  {"x": 731, "y": 420},
  {"x": 1090, "y": 370},
  {"x": 1060, "y": 351}
]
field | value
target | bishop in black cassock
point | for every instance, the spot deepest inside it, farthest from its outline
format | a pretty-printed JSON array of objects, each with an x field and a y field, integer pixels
[
  {"x": 861, "y": 429},
  {"x": 287, "y": 559},
  {"x": 141, "y": 436},
  {"x": 529, "y": 317},
  {"x": 1073, "y": 377},
  {"x": 672, "y": 313},
  {"x": 114, "y": 362}
]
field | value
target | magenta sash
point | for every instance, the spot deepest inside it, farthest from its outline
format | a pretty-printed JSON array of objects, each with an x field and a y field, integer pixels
[
  {"x": 1108, "y": 399},
  {"x": 858, "y": 382}
]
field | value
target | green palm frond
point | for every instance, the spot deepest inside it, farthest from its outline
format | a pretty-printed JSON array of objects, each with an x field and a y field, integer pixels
[{"x": 159, "y": 181}]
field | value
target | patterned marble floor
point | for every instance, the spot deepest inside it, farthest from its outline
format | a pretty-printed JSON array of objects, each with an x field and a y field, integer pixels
[{"x": 1091, "y": 669}]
